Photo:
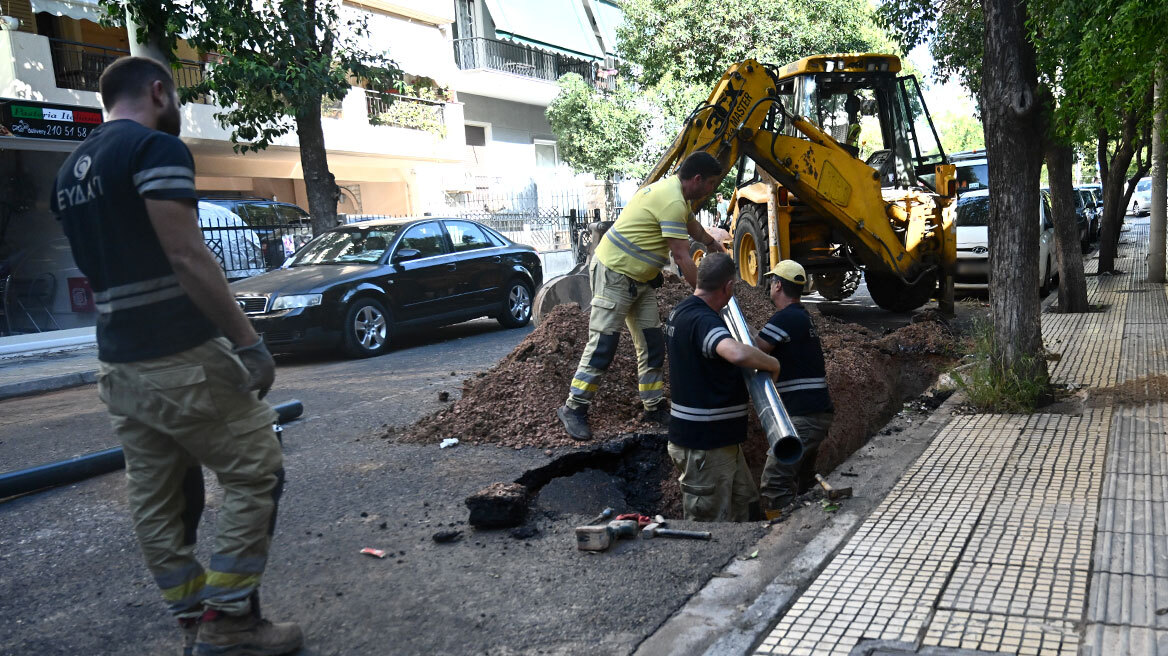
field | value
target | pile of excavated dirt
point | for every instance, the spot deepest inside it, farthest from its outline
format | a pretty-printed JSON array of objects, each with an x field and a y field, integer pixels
[{"x": 514, "y": 403}]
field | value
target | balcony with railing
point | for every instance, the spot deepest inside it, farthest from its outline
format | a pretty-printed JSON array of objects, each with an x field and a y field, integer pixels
[
  {"x": 518, "y": 59},
  {"x": 403, "y": 111},
  {"x": 79, "y": 65}
]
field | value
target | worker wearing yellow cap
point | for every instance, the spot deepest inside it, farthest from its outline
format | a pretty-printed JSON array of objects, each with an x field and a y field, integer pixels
[{"x": 802, "y": 384}]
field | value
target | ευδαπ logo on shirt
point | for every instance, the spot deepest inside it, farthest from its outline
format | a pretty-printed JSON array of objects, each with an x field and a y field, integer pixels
[{"x": 82, "y": 166}]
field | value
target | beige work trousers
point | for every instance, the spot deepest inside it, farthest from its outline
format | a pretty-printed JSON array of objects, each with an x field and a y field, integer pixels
[
  {"x": 617, "y": 301},
  {"x": 716, "y": 485},
  {"x": 177, "y": 413},
  {"x": 782, "y": 483}
]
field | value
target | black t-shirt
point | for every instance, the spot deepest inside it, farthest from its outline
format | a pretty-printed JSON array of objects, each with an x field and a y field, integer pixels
[
  {"x": 710, "y": 401},
  {"x": 802, "y": 383},
  {"x": 98, "y": 196}
]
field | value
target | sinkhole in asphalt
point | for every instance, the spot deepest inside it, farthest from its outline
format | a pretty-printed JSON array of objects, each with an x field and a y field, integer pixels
[{"x": 632, "y": 473}]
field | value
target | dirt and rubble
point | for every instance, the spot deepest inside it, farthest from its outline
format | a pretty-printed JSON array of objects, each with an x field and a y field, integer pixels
[
  {"x": 513, "y": 405},
  {"x": 1139, "y": 391}
]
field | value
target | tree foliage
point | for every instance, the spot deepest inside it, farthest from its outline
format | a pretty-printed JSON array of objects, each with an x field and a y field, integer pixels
[
  {"x": 271, "y": 58},
  {"x": 598, "y": 133},
  {"x": 274, "y": 62},
  {"x": 695, "y": 41}
]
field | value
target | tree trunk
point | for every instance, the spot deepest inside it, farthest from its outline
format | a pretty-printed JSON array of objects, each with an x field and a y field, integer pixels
[
  {"x": 1117, "y": 188},
  {"x": 609, "y": 198},
  {"x": 1072, "y": 291},
  {"x": 319, "y": 183},
  {"x": 1013, "y": 132},
  {"x": 1159, "y": 183}
]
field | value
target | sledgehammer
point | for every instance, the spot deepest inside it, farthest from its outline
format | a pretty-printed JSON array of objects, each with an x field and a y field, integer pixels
[
  {"x": 833, "y": 494},
  {"x": 654, "y": 531}
]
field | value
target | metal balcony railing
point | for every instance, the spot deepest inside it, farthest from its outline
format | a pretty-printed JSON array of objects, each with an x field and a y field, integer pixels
[
  {"x": 80, "y": 65},
  {"x": 406, "y": 111},
  {"x": 519, "y": 59}
]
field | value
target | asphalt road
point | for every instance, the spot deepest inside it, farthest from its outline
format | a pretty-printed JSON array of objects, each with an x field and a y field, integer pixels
[{"x": 73, "y": 580}]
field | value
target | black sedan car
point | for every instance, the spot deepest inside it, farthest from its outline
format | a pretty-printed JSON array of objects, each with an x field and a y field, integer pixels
[{"x": 355, "y": 286}]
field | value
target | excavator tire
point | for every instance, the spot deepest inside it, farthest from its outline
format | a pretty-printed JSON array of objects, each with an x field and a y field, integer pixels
[
  {"x": 751, "y": 246},
  {"x": 893, "y": 295},
  {"x": 837, "y": 285},
  {"x": 696, "y": 252}
]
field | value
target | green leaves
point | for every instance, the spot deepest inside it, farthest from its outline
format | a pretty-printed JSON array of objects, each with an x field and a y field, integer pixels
[
  {"x": 279, "y": 59},
  {"x": 695, "y": 41},
  {"x": 597, "y": 133}
]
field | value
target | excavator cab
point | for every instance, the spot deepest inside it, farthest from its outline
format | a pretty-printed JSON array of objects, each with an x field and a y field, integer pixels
[{"x": 861, "y": 105}]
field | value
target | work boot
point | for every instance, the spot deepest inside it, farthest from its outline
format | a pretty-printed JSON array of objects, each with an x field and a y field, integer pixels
[
  {"x": 575, "y": 422},
  {"x": 658, "y": 415},
  {"x": 190, "y": 631},
  {"x": 245, "y": 635}
]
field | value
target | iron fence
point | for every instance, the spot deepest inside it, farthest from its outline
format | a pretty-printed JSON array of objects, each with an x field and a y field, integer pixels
[
  {"x": 248, "y": 241},
  {"x": 479, "y": 52},
  {"x": 547, "y": 222},
  {"x": 80, "y": 65}
]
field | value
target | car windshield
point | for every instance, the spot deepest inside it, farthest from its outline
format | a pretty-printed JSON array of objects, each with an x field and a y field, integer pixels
[
  {"x": 1144, "y": 185},
  {"x": 973, "y": 177},
  {"x": 973, "y": 211},
  {"x": 351, "y": 245}
]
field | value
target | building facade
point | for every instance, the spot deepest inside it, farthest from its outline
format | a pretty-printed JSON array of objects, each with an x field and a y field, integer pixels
[{"x": 469, "y": 120}]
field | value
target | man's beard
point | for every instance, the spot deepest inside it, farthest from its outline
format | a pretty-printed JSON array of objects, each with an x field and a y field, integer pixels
[{"x": 170, "y": 121}]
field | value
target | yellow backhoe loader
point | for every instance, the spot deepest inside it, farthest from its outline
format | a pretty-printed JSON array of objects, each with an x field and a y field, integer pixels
[{"x": 839, "y": 168}]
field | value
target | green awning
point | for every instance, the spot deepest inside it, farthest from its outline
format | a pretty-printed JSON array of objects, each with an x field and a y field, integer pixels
[
  {"x": 558, "y": 25},
  {"x": 608, "y": 17}
]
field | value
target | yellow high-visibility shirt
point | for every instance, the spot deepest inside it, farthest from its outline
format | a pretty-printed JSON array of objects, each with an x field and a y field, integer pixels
[{"x": 635, "y": 245}]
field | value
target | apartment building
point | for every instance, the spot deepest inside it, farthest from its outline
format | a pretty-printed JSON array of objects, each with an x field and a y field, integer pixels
[
  {"x": 510, "y": 53},
  {"x": 386, "y": 156}
]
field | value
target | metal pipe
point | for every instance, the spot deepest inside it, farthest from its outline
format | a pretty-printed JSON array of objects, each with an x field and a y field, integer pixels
[
  {"x": 781, "y": 435},
  {"x": 79, "y": 468}
]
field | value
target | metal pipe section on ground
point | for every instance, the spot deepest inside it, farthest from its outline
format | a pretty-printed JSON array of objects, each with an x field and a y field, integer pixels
[
  {"x": 64, "y": 472},
  {"x": 781, "y": 435}
]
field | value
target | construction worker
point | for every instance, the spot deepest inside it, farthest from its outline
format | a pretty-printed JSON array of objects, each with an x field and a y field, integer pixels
[
  {"x": 709, "y": 400},
  {"x": 181, "y": 370},
  {"x": 790, "y": 336},
  {"x": 625, "y": 272}
]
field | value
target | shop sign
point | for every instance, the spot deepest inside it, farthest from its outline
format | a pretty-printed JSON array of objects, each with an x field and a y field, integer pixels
[{"x": 24, "y": 118}]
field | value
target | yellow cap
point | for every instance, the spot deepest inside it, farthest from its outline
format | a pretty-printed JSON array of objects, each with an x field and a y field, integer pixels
[{"x": 789, "y": 270}]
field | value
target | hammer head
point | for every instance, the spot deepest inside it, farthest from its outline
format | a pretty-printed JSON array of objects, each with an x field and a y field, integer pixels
[
  {"x": 838, "y": 493},
  {"x": 650, "y": 531}
]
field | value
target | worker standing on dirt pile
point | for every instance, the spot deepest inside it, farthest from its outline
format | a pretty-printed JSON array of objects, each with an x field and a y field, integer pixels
[
  {"x": 180, "y": 395},
  {"x": 802, "y": 386},
  {"x": 625, "y": 274},
  {"x": 710, "y": 401}
]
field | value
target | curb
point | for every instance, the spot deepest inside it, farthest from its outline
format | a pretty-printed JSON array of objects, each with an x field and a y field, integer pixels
[
  {"x": 47, "y": 384},
  {"x": 720, "y": 621}
]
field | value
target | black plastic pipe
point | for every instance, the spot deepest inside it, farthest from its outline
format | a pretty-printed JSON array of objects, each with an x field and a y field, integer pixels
[{"x": 64, "y": 472}]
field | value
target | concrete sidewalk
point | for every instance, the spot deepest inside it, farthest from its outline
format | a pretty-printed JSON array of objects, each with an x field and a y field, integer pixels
[
  {"x": 38, "y": 372},
  {"x": 1022, "y": 534}
]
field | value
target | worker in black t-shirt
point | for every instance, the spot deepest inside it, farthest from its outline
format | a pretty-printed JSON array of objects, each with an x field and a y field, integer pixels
[
  {"x": 181, "y": 369},
  {"x": 709, "y": 401},
  {"x": 790, "y": 336}
]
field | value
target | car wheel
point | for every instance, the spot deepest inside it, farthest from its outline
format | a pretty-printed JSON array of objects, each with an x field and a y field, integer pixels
[
  {"x": 366, "y": 328},
  {"x": 1135, "y": 208},
  {"x": 516, "y": 310}
]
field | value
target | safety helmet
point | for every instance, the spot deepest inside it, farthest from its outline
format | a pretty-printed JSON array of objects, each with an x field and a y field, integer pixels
[{"x": 791, "y": 271}]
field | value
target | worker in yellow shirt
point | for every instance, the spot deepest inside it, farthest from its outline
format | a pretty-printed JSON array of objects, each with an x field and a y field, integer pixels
[{"x": 625, "y": 274}]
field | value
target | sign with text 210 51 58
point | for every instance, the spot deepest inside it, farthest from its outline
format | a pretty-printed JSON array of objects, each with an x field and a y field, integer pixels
[{"x": 25, "y": 118}]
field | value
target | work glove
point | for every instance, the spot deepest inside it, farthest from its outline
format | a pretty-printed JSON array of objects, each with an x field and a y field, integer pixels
[{"x": 261, "y": 368}]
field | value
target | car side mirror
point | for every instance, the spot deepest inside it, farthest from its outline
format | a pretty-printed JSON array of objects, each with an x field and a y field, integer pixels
[{"x": 406, "y": 254}]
